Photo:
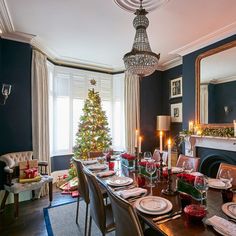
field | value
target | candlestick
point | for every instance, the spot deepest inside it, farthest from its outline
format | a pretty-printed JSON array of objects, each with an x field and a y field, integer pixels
[
  {"x": 169, "y": 191},
  {"x": 136, "y": 138},
  {"x": 161, "y": 133},
  {"x": 140, "y": 144},
  {"x": 190, "y": 126},
  {"x": 169, "y": 154}
]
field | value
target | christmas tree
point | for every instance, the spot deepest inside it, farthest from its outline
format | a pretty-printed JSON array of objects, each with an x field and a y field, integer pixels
[{"x": 93, "y": 133}]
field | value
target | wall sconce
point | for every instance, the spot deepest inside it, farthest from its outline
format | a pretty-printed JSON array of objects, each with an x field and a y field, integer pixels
[
  {"x": 6, "y": 90},
  {"x": 227, "y": 109}
]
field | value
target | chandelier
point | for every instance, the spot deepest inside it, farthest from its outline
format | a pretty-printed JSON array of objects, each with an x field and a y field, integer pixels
[{"x": 141, "y": 60}]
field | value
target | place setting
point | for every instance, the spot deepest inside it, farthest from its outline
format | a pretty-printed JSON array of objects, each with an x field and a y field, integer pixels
[{"x": 96, "y": 167}]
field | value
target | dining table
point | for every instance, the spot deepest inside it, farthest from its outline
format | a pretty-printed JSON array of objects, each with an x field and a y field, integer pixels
[{"x": 176, "y": 227}]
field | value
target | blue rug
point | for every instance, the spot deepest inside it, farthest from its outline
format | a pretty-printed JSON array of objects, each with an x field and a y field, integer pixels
[{"x": 60, "y": 220}]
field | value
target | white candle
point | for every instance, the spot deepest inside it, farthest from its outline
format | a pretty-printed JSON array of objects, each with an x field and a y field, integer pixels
[
  {"x": 190, "y": 126},
  {"x": 234, "y": 128},
  {"x": 161, "y": 141},
  {"x": 136, "y": 138},
  {"x": 140, "y": 144},
  {"x": 169, "y": 154}
]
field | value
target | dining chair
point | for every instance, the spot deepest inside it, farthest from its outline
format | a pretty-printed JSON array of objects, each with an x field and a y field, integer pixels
[
  {"x": 100, "y": 213},
  {"x": 126, "y": 219},
  {"x": 194, "y": 161},
  {"x": 94, "y": 154},
  {"x": 83, "y": 190},
  {"x": 230, "y": 167},
  {"x": 157, "y": 156}
]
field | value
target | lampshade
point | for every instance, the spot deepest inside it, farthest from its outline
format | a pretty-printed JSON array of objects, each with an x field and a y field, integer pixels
[{"x": 163, "y": 123}]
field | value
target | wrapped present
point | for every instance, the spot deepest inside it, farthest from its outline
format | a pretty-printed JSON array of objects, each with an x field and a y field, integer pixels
[
  {"x": 61, "y": 179},
  {"x": 31, "y": 165}
]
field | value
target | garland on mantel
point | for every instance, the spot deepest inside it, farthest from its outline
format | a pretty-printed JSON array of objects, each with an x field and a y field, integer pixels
[{"x": 215, "y": 132}]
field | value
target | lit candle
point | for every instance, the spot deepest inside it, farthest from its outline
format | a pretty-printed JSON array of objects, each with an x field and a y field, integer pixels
[
  {"x": 234, "y": 128},
  {"x": 169, "y": 153},
  {"x": 140, "y": 144},
  {"x": 136, "y": 138},
  {"x": 161, "y": 133},
  {"x": 190, "y": 126}
]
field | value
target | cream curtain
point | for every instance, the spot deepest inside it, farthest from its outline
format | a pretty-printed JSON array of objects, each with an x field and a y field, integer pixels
[
  {"x": 40, "y": 112},
  {"x": 132, "y": 110}
]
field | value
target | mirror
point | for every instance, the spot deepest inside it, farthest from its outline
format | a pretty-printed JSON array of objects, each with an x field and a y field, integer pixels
[{"x": 216, "y": 86}]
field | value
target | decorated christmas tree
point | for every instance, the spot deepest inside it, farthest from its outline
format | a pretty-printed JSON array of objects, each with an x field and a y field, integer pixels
[{"x": 93, "y": 133}]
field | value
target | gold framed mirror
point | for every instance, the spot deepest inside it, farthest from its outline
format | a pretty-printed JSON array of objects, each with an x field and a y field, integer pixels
[{"x": 215, "y": 71}]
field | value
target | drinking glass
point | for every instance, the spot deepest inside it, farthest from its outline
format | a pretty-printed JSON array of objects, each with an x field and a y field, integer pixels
[
  {"x": 150, "y": 169},
  {"x": 200, "y": 183},
  {"x": 147, "y": 155},
  {"x": 225, "y": 176}
]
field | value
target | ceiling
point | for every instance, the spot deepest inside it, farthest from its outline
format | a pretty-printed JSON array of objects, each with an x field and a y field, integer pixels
[{"x": 98, "y": 32}]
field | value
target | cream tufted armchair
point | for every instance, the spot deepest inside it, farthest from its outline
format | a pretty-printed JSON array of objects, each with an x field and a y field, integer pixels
[{"x": 12, "y": 173}]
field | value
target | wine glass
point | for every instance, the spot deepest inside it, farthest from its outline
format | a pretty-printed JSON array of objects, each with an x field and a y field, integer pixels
[
  {"x": 201, "y": 184},
  {"x": 225, "y": 176},
  {"x": 151, "y": 169},
  {"x": 147, "y": 155}
]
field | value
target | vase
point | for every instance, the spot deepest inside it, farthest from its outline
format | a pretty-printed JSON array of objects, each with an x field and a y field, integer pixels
[
  {"x": 130, "y": 164},
  {"x": 185, "y": 187}
]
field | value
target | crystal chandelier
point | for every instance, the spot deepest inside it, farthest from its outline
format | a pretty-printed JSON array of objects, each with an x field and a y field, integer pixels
[{"x": 141, "y": 60}]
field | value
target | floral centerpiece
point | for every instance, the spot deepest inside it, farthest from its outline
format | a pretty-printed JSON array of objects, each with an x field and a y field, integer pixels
[
  {"x": 128, "y": 160},
  {"x": 185, "y": 184},
  {"x": 142, "y": 169}
]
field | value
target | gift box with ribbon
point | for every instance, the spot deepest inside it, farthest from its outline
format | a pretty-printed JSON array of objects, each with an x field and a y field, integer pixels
[{"x": 28, "y": 171}]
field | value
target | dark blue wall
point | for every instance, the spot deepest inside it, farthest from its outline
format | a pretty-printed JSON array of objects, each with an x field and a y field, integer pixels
[
  {"x": 151, "y": 99},
  {"x": 189, "y": 80},
  {"x": 15, "y": 115}
]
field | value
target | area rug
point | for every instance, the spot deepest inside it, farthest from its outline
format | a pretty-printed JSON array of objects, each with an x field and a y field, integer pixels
[{"x": 60, "y": 220}]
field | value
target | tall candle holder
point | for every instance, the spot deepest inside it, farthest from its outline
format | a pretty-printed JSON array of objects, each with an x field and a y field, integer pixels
[
  {"x": 161, "y": 166},
  {"x": 169, "y": 191},
  {"x": 136, "y": 157}
]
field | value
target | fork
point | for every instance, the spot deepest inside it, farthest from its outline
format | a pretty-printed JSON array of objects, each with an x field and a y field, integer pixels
[
  {"x": 168, "y": 219},
  {"x": 167, "y": 215}
]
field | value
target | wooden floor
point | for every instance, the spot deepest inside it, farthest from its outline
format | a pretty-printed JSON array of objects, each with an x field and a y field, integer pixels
[{"x": 31, "y": 220}]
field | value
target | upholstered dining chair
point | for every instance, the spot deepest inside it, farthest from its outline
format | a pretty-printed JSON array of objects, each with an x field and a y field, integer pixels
[
  {"x": 194, "y": 161},
  {"x": 84, "y": 191},
  {"x": 126, "y": 219},
  {"x": 231, "y": 168},
  {"x": 157, "y": 156},
  {"x": 100, "y": 213},
  {"x": 12, "y": 184}
]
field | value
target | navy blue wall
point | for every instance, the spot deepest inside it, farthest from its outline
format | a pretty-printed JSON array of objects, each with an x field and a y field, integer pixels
[
  {"x": 151, "y": 99},
  {"x": 189, "y": 80},
  {"x": 15, "y": 115}
]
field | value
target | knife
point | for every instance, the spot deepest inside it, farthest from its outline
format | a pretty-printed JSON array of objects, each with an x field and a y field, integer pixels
[
  {"x": 167, "y": 215},
  {"x": 168, "y": 219}
]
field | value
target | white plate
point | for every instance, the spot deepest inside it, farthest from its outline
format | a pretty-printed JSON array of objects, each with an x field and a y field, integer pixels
[
  {"x": 97, "y": 167},
  {"x": 219, "y": 231},
  {"x": 218, "y": 184},
  {"x": 226, "y": 209},
  {"x": 153, "y": 204},
  {"x": 167, "y": 209},
  {"x": 120, "y": 181}
]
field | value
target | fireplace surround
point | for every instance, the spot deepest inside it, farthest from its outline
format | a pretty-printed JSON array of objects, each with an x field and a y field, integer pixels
[{"x": 212, "y": 151}]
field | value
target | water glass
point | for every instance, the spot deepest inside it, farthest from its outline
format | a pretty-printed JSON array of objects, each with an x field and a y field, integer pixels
[
  {"x": 227, "y": 195},
  {"x": 151, "y": 169},
  {"x": 147, "y": 155},
  {"x": 225, "y": 176},
  {"x": 201, "y": 184}
]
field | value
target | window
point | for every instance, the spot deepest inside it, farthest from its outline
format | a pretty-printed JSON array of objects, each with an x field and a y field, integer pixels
[{"x": 67, "y": 93}]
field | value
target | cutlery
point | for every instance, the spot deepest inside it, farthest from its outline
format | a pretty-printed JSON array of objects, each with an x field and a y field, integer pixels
[
  {"x": 167, "y": 215},
  {"x": 233, "y": 220},
  {"x": 123, "y": 188},
  {"x": 168, "y": 219}
]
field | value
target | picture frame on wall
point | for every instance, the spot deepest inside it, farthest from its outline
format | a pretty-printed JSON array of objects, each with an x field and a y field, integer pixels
[
  {"x": 176, "y": 112},
  {"x": 176, "y": 88}
]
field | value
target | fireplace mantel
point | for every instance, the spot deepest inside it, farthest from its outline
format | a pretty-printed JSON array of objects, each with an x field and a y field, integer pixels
[{"x": 221, "y": 143}]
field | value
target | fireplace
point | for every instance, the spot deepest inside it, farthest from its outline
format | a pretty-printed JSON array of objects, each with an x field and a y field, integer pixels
[
  {"x": 210, "y": 159},
  {"x": 212, "y": 151}
]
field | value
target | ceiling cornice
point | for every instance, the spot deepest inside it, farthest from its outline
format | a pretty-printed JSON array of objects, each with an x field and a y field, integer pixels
[
  {"x": 206, "y": 40},
  {"x": 171, "y": 63},
  {"x": 6, "y": 24}
]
